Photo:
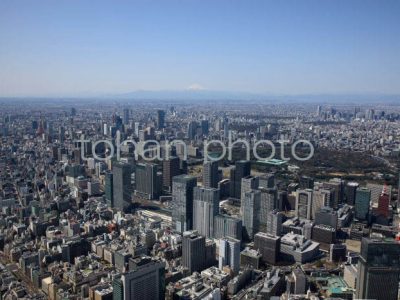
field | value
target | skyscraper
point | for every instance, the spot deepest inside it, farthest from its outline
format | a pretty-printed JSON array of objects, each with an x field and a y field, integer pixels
[
  {"x": 146, "y": 280},
  {"x": 210, "y": 174},
  {"x": 182, "y": 202},
  {"x": 321, "y": 198},
  {"x": 350, "y": 191},
  {"x": 242, "y": 169},
  {"x": 148, "y": 184},
  {"x": 268, "y": 203},
  {"x": 227, "y": 226},
  {"x": 304, "y": 204},
  {"x": 108, "y": 188},
  {"x": 229, "y": 254},
  {"x": 193, "y": 251},
  {"x": 383, "y": 203},
  {"x": 251, "y": 212},
  {"x": 160, "y": 119},
  {"x": 398, "y": 192},
  {"x": 126, "y": 116},
  {"x": 192, "y": 129},
  {"x": 267, "y": 181},
  {"x": 274, "y": 222},
  {"x": 205, "y": 208},
  {"x": 171, "y": 168},
  {"x": 337, "y": 185},
  {"x": 248, "y": 183},
  {"x": 122, "y": 186},
  {"x": 318, "y": 110},
  {"x": 363, "y": 199},
  {"x": 378, "y": 269},
  {"x": 136, "y": 128},
  {"x": 204, "y": 127}
]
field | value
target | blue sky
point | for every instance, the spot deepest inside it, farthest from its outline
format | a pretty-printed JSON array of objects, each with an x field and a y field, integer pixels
[{"x": 82, "y": 47}]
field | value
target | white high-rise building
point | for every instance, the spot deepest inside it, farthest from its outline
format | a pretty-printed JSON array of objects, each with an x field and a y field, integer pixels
[{"x": 229, "y": 254}]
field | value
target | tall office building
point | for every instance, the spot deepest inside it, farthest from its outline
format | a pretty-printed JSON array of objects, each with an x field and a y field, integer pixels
[
  {"x": 227, "y": 226},
  {"x": 229, "y": 254},
  {"x": 376, "y": 191},
  {"x": 383, "y": 203},
  {"x": 145, "y": 280},
  {"x": 122, "y": 186},
  {"x": 378, "y": 270},
  {"x": 337, "y": 185},
  {"x": 251, "y": 212},
  {"x": 210, "y": 174},
  {"x": 268, "y": 203},
  {"x": 274, "y": 222},
  {"x": 248, "y": 183},
  {"x": 205, "y": 208},
  {"x": 61, "y": 134},
  {"x": 192, "y": 129},
  {"x": 160, "y": 119},
  {"x": 108, "y": 189},
  {"x": 350, "y": 192},
  {"x": 193, "y": 251},
  {"x": 182, "y": 202},
  {"x": 242, "y": 169},
  {"x": 267, "y": 181},
  {"x": 136, "y": 128},
  {"x": 304, "y": 204},
  {"x": 126, "y": 116},
  {"x": 363, "y": 199},
  {"x": 321, "y": 198},
  {"x": 269, "y": 246},
  {"x": 204, "y": 127},
  {"x": 398, "y": 192},
  {"x": 319, "y": 110},
  {"x": 171, "y": 168},
  {"x": 148, "y": 183}
]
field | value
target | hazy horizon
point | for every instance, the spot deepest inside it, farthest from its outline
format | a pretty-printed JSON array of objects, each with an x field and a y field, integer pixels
[{"x": 84, "y": 49}]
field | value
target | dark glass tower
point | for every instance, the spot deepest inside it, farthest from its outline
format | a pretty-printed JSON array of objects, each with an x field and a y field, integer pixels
[
  {"x": 182, "y": 202},
  {"x": 242, "y": 169},
  {"x": 378, "y": 269},
  {"x": 193, "y": 251},
  {"x": 122, "y": 187},
  {"x": 160, "y": 119},
  {"x": 210, "y": 174},
  {"x": 109, "y": 189}
]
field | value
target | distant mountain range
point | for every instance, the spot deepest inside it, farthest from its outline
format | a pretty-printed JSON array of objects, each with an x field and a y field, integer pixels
[{"x": 230, "y": 95}]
